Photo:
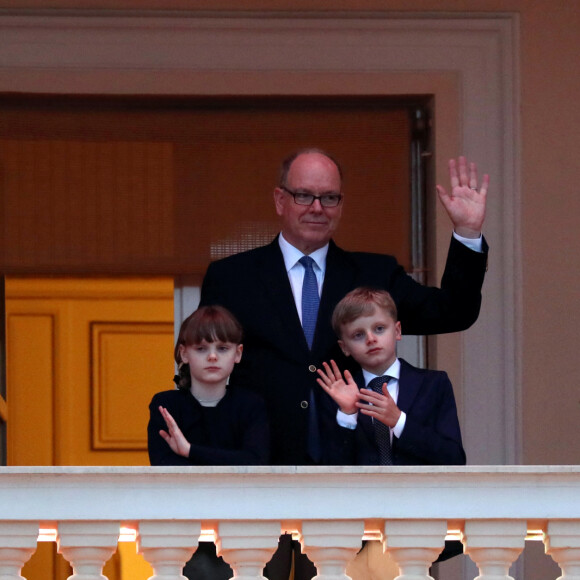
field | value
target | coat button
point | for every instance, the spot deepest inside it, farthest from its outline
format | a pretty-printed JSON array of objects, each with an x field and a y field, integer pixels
[
  {"x": 312, "y": 368},
  {"x": 304, "y": 404}
]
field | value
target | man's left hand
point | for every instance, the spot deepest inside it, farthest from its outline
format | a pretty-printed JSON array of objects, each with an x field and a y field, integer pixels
[{"x": 465, "y": 204}]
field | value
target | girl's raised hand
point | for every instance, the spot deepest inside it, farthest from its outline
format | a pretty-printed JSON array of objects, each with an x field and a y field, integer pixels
[
  {"x": 174, "y": 437},
  {"x": 344, "y": 392}
]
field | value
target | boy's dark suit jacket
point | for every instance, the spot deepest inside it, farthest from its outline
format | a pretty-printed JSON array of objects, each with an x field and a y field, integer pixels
[
  {"x": 431, "y": 435},
  {"x": 276, "y": 361}
]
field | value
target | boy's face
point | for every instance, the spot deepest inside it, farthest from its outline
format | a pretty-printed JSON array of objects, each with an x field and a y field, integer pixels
[
  {"x": 211, "y": 362},
  {"x": 372, "y": 340}
]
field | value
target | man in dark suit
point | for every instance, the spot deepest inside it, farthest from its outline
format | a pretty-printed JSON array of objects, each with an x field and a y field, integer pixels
[{"x": 263, "y": 288}]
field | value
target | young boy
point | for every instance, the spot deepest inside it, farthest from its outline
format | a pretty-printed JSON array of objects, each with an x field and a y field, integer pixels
[{"x": 410, "y": 418}]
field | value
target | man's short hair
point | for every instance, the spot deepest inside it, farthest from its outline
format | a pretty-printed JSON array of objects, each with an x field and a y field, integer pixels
[
  {"x": 362, "y": 302},
  {"x": 287, "y": 163}
]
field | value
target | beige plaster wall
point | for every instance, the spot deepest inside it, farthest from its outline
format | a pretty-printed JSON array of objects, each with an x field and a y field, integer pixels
[{"x": 550, "y": 204}]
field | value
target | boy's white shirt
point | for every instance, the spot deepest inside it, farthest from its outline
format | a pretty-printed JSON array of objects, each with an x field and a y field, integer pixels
[{"x": 350, "y": 421}]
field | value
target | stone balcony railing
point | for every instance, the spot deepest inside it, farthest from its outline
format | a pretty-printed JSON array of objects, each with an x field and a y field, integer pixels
[{"x": 491, "y": 509}]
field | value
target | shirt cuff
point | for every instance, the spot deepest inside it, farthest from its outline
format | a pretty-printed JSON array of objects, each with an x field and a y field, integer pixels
[
  {"x": 474, "y": 244},
  {"x": 400, "y": 425},
  {"x": 346, "y": 421}
]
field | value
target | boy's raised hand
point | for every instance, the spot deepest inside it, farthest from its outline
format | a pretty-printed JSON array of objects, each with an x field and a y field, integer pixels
[
  {"x": 174, "y": 437},
  {"x": 344, "y": 392},
  {"x": 381, "y": 407}
]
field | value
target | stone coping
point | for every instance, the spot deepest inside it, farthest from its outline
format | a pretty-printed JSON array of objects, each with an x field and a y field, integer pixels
[
  {"x": 289, "y": 494},
  {"x": 459, "y": 471}
]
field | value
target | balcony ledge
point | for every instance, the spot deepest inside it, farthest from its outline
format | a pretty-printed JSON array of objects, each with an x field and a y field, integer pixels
[
  {"x": 279, "y": 493},
  {"x": 493, "y": 510}
]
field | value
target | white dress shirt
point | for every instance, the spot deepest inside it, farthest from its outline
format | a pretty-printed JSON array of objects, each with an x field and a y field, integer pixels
[
  {"x": 350, "y": 421},
  {"x": 474, "y": 244},
  {"x": 295, "y": 269}
]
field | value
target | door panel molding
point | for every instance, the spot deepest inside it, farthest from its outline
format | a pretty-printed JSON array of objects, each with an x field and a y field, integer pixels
[
  {"x": 113, "y": 344},
  {"x": 82, "y": 367}
]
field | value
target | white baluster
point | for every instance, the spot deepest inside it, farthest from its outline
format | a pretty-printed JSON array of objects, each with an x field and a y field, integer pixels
[
  {"x": 414, "y": 545},
  {"x": 17, "y": 544},
  {"x": 87, "y": 545},
  {"x": 494, "y": 545},
  {"x": 562, "y": 541},
  {"x": 247, "y": 546},
  {"x": 331, "y": 545},
  {"x": 167, "y": 545}
]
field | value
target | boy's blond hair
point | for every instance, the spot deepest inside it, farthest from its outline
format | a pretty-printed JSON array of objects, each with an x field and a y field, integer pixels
[{"x": 361, "y": 302}]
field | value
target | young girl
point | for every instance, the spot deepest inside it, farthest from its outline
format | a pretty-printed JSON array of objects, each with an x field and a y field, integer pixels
[{"x": 206, "y": 421}]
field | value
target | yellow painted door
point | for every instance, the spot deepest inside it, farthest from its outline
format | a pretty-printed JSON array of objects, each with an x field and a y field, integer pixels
[{"x": 84, "y": 358}]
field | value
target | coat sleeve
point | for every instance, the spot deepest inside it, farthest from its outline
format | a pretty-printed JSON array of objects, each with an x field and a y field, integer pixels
[
  {"x": 244, "y": 419},
  {"x": 433, "y": 436},
  {"x": 452, "y": 307},
  {"x": 215, "y": 288},
  {"x": 159, "y": 451}
]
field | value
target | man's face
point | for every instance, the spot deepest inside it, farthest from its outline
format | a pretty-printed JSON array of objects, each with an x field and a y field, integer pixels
[{"x": 309, "y": 227}]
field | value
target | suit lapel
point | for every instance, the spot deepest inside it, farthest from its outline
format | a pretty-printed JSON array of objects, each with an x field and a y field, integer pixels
[
  {"x": 338, "y": 280},
  {"x": 409, "y": 385},
  {"x": 271, "y": 272}
]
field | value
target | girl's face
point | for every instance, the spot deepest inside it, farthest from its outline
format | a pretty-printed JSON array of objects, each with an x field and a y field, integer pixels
[{"x": 211, "y": 362}]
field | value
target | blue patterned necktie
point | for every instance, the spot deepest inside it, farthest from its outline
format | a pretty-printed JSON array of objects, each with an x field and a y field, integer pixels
[
  {"x": 382, "y": 431},
  {"x": 310, "y": 302},
  {"x": 310, "y": 299}
]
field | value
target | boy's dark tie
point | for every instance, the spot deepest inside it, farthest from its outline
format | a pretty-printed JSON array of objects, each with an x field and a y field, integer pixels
[
  {"x": 310, "y": 302},
  {"x": 382, "y": 431}
]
